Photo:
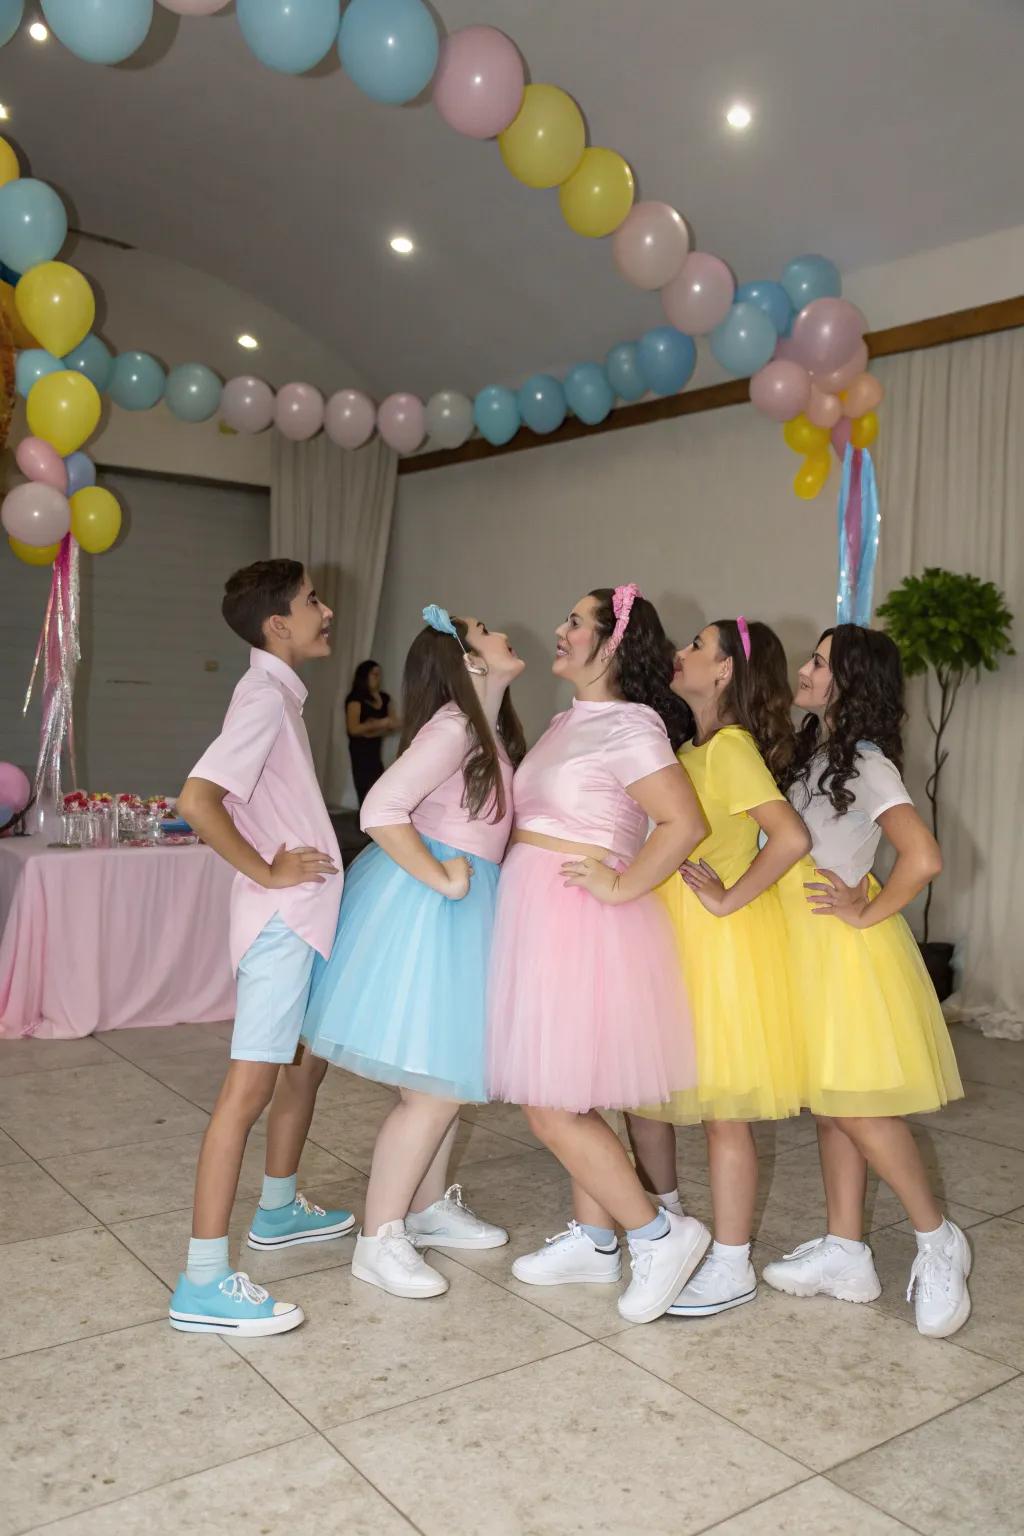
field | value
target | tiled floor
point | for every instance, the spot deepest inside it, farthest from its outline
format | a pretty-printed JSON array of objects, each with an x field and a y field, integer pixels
[{"x": 498, "y": 1408}]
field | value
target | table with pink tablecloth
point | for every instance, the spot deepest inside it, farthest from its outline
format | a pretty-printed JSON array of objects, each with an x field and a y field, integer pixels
[{"x": 94, "y": 939}]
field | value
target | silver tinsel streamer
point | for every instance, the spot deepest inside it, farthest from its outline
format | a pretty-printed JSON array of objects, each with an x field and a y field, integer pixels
[{"x": 60, "y": 652}]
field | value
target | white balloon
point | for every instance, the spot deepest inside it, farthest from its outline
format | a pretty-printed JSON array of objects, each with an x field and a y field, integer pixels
[{"x": 449, "y": 419}]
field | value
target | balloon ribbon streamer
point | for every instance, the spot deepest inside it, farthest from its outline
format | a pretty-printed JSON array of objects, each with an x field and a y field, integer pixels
[
  {"x": 60, "y": 651},
  {"x": 859, "y": 521}
]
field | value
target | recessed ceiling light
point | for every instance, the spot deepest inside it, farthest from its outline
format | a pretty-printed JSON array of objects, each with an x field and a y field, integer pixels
[
  {"x": 249, "y": 342},
  {"x": 38, "y": 33},
  {"x": 401, "y": 245},
  {"x": 4, "y": 114},
  {"x": 739, "y": 116}
]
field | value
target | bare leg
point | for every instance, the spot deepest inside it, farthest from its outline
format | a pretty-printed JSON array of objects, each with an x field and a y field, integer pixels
[
  {"x": 587, "y": 1211},
  {"x": 593, "y": 1156},
  {"x": 889, "y": 1147},
  {"x": 654, "y": 1152},
  {"x": 291, "y": 1111},
  {"x": 845, "y": 1172},
  {"x": 435, "y": 1180},
  {"x": 245, "y": 1094},
  {"x": 407, "y": 1144},
  {"x": 732, "y": 1163}
]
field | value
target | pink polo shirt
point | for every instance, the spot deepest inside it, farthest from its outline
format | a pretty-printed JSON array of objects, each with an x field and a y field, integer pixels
[{"x": 262, "y": 759}]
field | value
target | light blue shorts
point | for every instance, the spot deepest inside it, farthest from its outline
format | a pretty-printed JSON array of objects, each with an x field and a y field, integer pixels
[{"x": 273, "y": 986}]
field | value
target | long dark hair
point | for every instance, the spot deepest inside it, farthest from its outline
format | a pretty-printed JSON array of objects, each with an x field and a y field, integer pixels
[
  {"x": 361, "y": 682},
  {"x": 866, "y": 704},
  {"x": 435, "y": 675},
  {"x": 758, "y": 696},
  {"x": 641, "y": 669}
]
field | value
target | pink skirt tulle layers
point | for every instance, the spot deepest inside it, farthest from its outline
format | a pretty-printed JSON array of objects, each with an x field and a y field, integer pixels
[{"x": 586, "y": 1006}]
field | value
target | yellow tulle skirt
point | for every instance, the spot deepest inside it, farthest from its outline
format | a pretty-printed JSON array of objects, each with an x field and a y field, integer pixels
[
  {"x": 737, "y": 977},
  {"x": 872, "y": 1036}
]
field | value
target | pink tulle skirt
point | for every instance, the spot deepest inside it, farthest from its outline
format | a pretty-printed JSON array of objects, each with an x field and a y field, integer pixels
[{"x": 586, "y": 1003}]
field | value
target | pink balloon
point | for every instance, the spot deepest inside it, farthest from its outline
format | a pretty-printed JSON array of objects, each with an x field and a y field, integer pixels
[
  {"x": 841, "y": 435},
  {"x": 781, "y": 389},
  {"x": 700, "y": 297},
  {"x": 826, "y": 334},
  {"x": 247, "y": 404},
  {"x": 785, "y": 351},
  {"x": 194, "y": 7},
  {"x": 479, "y": 82},
  {"x": 36, "y": 514},
  {"x": 864, "y": 394},
  {"x": 40, "y": 462},
  {"x": 841, "y": 378},
  {"x": 402, "y": 422},
  {"x": 823, "y": 410},
  {"x": 349, "y": 418},
  {"x": 650, "y": 245},
  {"x": 299, "y": 412},
  {"x": 15, "y": 789}
]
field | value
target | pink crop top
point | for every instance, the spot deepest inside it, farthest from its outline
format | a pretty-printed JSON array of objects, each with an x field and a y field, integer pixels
[
  {"x": 425, "y": 787},
  {"x": 573, "y": 783}
]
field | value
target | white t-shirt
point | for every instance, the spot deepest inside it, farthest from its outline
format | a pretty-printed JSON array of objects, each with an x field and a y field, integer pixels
[{"x": 847, "y": 844}]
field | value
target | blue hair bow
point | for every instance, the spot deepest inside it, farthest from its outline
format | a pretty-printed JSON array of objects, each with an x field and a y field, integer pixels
[{"x": 439, "y": 619}]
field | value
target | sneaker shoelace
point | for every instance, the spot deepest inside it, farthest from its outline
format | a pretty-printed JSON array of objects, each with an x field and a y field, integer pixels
[
  {"x": 570, "y": 1234},
  {"x": 640, "y": 1264},
  {"x": 397, "y": 1246},
  {"x": 238, "y": 1287},
  {"x": 308, "y": 1208},
  {"x": 931, "y": 1271},
  {"x": 805, "y": 1249},
  {"x": 710, "y": 1272}
]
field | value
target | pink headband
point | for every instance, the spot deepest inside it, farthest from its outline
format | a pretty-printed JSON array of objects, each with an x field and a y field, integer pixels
[
  {"x": 623, "y": 599},
  {"x": 741, "y": 625}
]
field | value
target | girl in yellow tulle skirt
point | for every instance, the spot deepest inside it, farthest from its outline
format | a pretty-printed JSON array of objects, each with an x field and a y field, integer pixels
[
  {"x": 874, "y": 1042},
  {"x": 731, "y": 937}
]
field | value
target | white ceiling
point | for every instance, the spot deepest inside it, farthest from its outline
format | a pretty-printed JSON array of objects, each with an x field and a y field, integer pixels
[{"x": 882, "y": 127}]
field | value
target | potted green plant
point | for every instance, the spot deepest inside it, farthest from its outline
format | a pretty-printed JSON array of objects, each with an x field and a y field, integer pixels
[{"x": 946, "y": 626}]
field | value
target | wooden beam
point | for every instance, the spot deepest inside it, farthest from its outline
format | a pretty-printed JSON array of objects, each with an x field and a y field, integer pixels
[{"x": 961, "y": 325}]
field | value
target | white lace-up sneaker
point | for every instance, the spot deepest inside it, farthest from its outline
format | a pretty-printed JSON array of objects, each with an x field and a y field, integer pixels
[
  {"x": 823, "y": 1267},
  {"x": 938, "y": 1284},
  {"x": 390, "y": 1261},
  {"x": 715, "y": 1287},
  {"x": 569, "y": 1258},
  {"x": 661, "y": 1267},
  {"x": 449, "y": 1223}
]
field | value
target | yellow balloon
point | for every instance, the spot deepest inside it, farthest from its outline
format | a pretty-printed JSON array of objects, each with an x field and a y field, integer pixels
[
  {"x": 864, "y": 430},
  {"x": 544, "y": 144},
  {"x": 804, "y": 437},
  {"x": 95, "y": 519},
  {"x": 10, "y": 170},
  {"x": 57, "y": 305},
  {"x": 598, "y": 194},
  {"x": 32, "y": 554},
  {"x": 20, "y": 335},
  {"x": 63, "y": 409},
  {"x": 810, "y": 477}
]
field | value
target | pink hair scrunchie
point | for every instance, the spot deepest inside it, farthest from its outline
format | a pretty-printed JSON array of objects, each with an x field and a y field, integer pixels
[{"x": 623, "y": 599}]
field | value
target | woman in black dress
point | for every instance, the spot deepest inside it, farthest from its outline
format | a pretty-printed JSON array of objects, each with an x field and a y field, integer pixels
[{"x": 369, "y": 719}]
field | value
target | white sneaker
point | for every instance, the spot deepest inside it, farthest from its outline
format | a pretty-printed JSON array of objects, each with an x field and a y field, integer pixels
[
  {"x": 715, "y": 1287},
  {"x": 390, "y": 1261},
  {"x": 661, "y": 1267},
  {"x": 823, "y": 1267},
  {"x": 938, "y": 1285},
  {"x": 569, "y": 1258},
  {"x": 449, "y": 1223}
]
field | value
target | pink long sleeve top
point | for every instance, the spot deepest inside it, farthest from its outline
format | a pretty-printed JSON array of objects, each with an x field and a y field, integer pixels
[{"x": 425, "y": 788}]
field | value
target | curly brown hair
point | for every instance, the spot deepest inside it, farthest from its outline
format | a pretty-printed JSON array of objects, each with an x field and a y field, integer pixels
[
  {"x": 641, "y": 668},
  {"x": 759, "y": 695}
]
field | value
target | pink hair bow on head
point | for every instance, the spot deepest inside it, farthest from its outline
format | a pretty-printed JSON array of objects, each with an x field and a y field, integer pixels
[
  {"x": 623, "y": 599},
  {"x": 741, "y": 625}
]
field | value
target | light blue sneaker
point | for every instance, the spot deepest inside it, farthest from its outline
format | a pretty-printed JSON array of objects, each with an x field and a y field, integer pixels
[
  {"x": 232, "y": 1305},
  {"x": 299, "y": 1222}
]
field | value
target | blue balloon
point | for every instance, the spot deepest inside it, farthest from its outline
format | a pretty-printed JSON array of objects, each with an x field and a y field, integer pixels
[
  {"x": 286, "y": 36},
  {"x": 745, "y": 340},
  {"x": 542, "y": 404},
  {"x": 193, "y": 392},
  {"x": 136, "y": 381},
  {"x": 589, "y": 393},
  {"x": 496, "y": 414},
  {"x": 11, "y": 12},
  {"x": 100, "y": 31},
  {"x": 622, "y": 366},
  {"x": 33, "y": 223},
  {"x": 807, "y": 278},
  {"x": 94, "y": 359},
  {"x": 388, "y": 48},
  {"x": 667, "y": 359},
  {"x": 773, "y": 299},
  {"x": 81, "y": 472},
  {"x": 32, "y": 365}
]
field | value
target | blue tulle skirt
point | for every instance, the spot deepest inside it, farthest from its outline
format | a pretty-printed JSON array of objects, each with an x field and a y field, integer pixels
[{"x": 402, "y": 1000}]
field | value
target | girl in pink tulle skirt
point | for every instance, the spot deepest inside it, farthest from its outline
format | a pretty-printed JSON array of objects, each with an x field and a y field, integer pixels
[{"x": 587, "y": 1008}]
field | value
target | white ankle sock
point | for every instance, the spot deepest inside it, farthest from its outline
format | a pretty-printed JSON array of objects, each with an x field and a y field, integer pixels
[
  {"x": 736, "y": 1255},
  {"x": 847, "y": 1244},
  {"x": 671, "y": 1201},
  {"x": 932, "y": 1239}
]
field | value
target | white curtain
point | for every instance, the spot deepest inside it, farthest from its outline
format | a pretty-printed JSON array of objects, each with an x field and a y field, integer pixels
[
  {"x": 951, "y": 485},
  {"x": 332, "y": 510}
]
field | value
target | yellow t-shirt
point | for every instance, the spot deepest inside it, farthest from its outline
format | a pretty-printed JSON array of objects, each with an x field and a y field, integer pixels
[{"x": 730, "y": 778}]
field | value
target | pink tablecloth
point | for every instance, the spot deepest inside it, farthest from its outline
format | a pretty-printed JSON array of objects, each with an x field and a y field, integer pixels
[{"x": 104, "y": 939}]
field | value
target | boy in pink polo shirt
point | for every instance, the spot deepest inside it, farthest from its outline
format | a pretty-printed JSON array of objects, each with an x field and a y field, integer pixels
[{"x": 254, "y": 798}]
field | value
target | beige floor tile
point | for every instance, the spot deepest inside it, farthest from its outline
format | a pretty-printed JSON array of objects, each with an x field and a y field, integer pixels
[
  {"x": 340, "y": 1089},
  {"x": 963, "y": 1472},
  {"x": 814, "y": 1508},
  {"x": 988, "y": 1113},
  {"x": 821, "y": 1380},
  {"x": 166, "y": 1040},
  {"x": 96, "y": 1420},
  {"x": 1017, "y": 1215},
  {"x": 963, "y": 1215},
  {"x": 582, "y": 1442},
  {"x": 32, "y": 1055},
  {"x": 506, "y": 1119},
  {"x": 10, "y": 1152},
  {"x": 32, "y": 1204},
  {"x": 84, "y": 1108},
  {"x": 196, "y": 1075},
  {"x": 61, "y": 1288},
  {"x": 350, "y": 1130},
  {"x": 988, "y": 1061},
  {"x": 973, "y": 1173},
  {"x": 362, "y": 1350}
]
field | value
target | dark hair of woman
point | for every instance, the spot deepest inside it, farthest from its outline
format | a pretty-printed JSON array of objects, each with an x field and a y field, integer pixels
[
  {"x": 641, "y": 669},
  {"x": 759, "y": 695},
  {"x": 360, "y": 689},
  {"x": 435, "y": 675},
  {"x": 866, "y": 704}
]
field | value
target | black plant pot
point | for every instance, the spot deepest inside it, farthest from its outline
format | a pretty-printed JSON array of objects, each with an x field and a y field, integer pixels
[{"x": 938, "y": 960}]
